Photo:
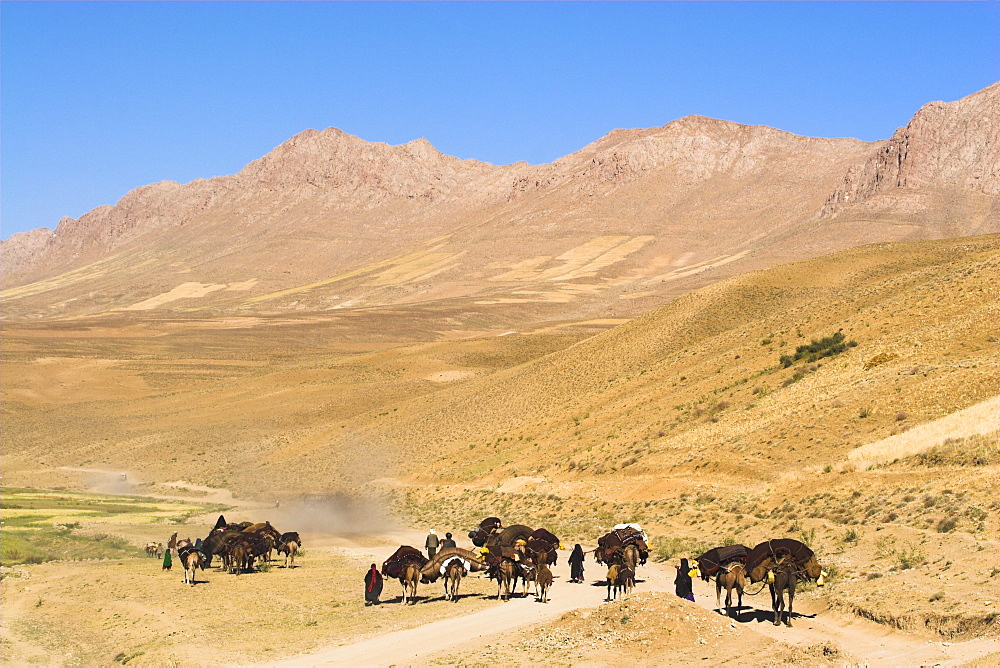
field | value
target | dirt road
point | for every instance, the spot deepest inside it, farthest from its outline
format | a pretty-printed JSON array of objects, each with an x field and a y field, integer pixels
[{"x": 872, "y": 643}]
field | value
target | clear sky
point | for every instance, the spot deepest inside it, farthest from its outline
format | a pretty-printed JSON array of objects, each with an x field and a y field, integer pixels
[{"x": 99, "y": 98}]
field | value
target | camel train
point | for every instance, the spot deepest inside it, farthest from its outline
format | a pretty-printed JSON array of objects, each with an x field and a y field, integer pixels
[
  {"x": 519, "y": 555},
  {"x": 241, "y": 548}
]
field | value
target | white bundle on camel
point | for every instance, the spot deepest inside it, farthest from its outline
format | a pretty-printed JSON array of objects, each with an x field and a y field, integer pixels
[{"x": 435, "y": 568}]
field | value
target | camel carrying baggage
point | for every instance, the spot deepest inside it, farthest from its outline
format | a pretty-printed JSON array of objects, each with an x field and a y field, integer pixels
[
  {"x": 719, "y": 557},
  {"x": 394, "y": 565},
  {"x": 771, "y": 551}
]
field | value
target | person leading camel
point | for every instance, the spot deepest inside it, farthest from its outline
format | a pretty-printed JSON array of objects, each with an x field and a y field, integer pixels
[
  {"x": 448, "y": 541},
  {"x": 373, "y": 586},
  {"x": 682, "y": 583}
]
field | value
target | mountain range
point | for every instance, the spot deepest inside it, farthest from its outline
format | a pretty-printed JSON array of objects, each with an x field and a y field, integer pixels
[{"x": 327, "y": 222}]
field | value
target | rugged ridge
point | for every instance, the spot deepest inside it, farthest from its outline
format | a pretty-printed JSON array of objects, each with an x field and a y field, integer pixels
[
  {"x": 329, "y": 221},
  {"x": 945, "y": 144}
]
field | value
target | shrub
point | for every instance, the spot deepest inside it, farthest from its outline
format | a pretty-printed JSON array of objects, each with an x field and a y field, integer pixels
[
  {"x": 946, "y": 525},
  {"x": 850, "y": 536},
  {"x": 909, "y": 557},
  {"x": 818, "y": 349}
]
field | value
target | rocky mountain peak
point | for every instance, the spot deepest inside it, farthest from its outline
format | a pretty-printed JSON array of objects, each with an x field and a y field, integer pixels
[{"x": 954, "y": 144}]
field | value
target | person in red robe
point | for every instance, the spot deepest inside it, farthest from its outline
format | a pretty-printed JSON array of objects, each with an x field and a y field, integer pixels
[{"x": 373, "y": 586}]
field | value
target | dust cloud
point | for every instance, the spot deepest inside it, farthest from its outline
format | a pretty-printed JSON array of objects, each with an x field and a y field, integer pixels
[{"x": 119, "y": 483}]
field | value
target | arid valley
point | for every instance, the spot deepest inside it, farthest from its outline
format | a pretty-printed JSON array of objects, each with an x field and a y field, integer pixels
[{"x": 422, "y": 341}]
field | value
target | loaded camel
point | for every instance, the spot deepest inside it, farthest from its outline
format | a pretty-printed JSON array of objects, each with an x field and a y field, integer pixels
[{"x": 782, "y": 563}]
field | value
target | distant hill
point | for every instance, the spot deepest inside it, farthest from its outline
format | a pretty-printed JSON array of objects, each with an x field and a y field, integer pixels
[{"x": 329, "y": 222}]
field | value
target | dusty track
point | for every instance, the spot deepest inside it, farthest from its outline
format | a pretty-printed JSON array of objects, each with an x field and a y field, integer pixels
[{"x": 814, "y": 624}]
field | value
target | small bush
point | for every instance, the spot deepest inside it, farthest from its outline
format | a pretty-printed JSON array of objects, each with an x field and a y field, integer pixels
[
  {"x": 850, "y": 536},
  {"x": 909, "y": 557},
  {"x": 936, "y": 597},
  {"x": 818, "y": 349},
  {"x": 946, "y": 525}
]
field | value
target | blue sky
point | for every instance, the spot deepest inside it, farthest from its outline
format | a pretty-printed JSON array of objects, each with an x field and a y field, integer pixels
[{"x": 99, "y": 98}]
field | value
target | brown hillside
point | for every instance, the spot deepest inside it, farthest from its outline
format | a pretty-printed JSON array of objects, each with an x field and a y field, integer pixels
[{"x": 329, "y": 222}]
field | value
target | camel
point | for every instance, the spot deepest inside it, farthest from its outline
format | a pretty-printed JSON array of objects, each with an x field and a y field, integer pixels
[
  {"x": 453, "y": 574},
  {"x": 191, "y": 560},
  {"x": 505, "y": 573},
  {"x": 543, "y": 580},
  {"x": 730, "y": 576},
  {"x": 409, "y": 577},
  {"x": 630, "y": 556}
]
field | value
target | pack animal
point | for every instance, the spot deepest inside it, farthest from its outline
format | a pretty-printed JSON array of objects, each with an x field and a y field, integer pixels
[
  {"x": 453, "y": 574},
  {"x": 409, "y": 578},
  {"x": 543, "y": 580},
  {"x": 732, "y": 576},
  {"x": 289, "y": 545},
  {"x": 191, "y": 560},
  {"x": 505, "y": 572},
  {"x": 625, "y": 581}
]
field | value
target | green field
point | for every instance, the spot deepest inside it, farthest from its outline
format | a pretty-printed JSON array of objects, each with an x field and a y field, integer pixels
[{"x": 39, "y": 525}]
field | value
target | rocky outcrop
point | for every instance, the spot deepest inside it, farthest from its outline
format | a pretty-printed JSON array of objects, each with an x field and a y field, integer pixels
[{"x": 955, "y": 145}]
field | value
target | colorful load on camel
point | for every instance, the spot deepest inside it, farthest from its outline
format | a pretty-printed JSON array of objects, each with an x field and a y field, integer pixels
[
  {"x": 394, "y": 565},
  {"x": 720, "y": 557},
  {"x": 610, "y": 545}
]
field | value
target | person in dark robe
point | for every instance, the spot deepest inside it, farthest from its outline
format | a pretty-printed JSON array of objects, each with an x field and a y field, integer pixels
[
  {"x": 166, "y": 560},
  {"x": 448, "y": 541},
  {"x": 682, "y": 583},
  {"x": 220, "y": 523},
  {"x": 576, "y": 564},
  {"x": 373, "y": 586}
]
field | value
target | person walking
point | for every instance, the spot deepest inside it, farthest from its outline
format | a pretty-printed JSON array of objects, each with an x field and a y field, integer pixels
[
  {"x": 576, "y": 564},
  {"x": 448, "y": 541},
  {"x": 432, "y": 543},
  {"x": 166, "y": 560},
  {"x": 373, "y": 586},
  {"x": 682, "y": 583}
]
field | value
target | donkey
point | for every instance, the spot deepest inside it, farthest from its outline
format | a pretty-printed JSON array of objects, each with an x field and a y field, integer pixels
[
  {"x": 289, "y": 549},
  {"x": 613, "y": 571},
  {"x": 409, "y": 577},
  {"x": 191, "y": 560},
  {"x": 505, "y": 572},
  {"x": 730, "y": 577},
  {"x": 543, "y": 580},
  {"x": 453, "y": 574},
  {"x": 625, "y": 581}
]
